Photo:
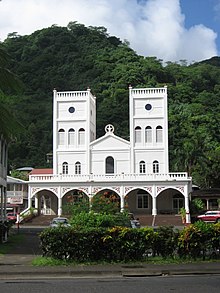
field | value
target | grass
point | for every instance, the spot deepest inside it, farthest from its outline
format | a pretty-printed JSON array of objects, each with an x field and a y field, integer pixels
[
  {"x": 13, "y": 240},
  {"x": 49, "y": 261}
]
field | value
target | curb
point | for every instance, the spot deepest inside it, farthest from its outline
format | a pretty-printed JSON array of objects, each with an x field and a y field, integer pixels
[{"x": 30, "y": 272}]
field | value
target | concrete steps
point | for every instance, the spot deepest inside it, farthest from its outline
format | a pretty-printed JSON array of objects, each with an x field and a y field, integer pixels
[
  {"x": 160, "y": 220},
  {"x": 42, "y": 220},
  {"x": 145, "y": 220}
]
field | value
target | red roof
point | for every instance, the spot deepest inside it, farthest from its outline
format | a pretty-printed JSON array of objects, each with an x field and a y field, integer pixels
[{"x": 41, "y": 171}]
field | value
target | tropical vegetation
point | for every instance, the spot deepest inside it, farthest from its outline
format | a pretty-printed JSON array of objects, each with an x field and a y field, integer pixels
[
  {"x": 120, "y": 244},
  {"x": 77, "y": 57}
]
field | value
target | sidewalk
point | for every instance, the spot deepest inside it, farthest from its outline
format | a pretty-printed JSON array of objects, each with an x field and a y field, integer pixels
[{"x": 17, "y": 265}]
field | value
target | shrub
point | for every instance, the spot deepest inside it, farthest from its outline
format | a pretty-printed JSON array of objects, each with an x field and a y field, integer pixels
[
  {"x": 67, "y": 243},
  {"x": 105, "y": 203},
  {"x": 76, "y": 207},
  {"x": 196, "y": 240},
  {"x": 126, "y": 244},
  {"x": 86, "y": 220},
  {"x": 165, "y": 241}
]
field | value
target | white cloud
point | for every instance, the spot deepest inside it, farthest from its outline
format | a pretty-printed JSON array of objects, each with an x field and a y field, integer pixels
[{"x": 153, "y": 27}]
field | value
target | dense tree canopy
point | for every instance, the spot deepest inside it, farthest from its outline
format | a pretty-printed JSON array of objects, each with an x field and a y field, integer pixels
[
  {"x": 76, "y": 57},
  {"x": 9, "y": 127}
]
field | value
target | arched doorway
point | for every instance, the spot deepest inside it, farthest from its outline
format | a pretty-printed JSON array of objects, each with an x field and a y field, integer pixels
[
  {"x": 75, "y": 201},
  {"x": 47, "y": 203},
  {"x": 170, "y": 201},
  {"x": 139, "y": 202},
  {"x": 107, "y": 201}
]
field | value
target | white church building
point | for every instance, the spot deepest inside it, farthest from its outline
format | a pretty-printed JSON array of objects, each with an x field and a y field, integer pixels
[{"x": 135, "y": 171}]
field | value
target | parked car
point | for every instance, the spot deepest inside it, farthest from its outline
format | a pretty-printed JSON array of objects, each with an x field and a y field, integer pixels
[
  {"x": 59, "y": 221},
  {"x": 11, "y": 217},
  {"x": 134, "y": 222},
  {"x": 210, "y": 217}
]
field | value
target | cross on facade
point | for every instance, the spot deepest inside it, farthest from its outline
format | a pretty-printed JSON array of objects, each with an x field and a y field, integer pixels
[{"x": 109, "y": 128}]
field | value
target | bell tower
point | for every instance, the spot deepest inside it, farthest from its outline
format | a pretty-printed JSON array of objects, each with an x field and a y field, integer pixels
[
  {"x": 74, "y": 127},
  {"x": 149, "y": 130}
]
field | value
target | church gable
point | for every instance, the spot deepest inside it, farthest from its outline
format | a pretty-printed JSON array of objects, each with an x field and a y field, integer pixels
[{"x": 110, "y": 141}]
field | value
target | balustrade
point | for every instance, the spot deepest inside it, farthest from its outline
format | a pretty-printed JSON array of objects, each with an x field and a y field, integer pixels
[
  {"x": 108, "y": 178},
  {"x": 149, "y": 91}
]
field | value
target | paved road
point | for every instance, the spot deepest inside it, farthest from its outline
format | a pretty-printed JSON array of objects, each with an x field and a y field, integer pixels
[{"x": 180, "y": 284}]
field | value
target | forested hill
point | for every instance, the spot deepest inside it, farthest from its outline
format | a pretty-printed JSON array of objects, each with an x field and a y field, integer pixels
[{"x": 76, "y": 57}]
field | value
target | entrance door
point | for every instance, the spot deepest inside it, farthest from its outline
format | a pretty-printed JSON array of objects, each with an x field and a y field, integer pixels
[{"x": 178, "y": 203}]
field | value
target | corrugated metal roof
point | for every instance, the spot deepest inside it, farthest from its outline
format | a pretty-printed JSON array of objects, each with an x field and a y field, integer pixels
[{"x": 41, "y": 171}]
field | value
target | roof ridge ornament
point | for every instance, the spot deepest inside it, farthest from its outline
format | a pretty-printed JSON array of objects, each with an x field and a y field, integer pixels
[{"x": 109, "y": 128}]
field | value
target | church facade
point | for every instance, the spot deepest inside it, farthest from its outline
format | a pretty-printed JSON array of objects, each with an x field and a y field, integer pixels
[{"x": 136, "y": 172}]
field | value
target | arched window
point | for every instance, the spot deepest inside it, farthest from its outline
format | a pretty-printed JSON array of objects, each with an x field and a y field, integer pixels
[
  {"x": 142, "y": 167},
  {"x": 71, "y": 136},
  {"x": 148, "y": 134},
  {"x": 159, "y": 134},
  {"x": 61, "y": 137},
  {"x": 82, "y": 136},
  {"x": 65, "y": 168},
  {"x": 77, "y": 168},
  {"x": 109, "y": 165},
  {"x": 137, "y": 134},
  {"x": 155, "y": 167}
]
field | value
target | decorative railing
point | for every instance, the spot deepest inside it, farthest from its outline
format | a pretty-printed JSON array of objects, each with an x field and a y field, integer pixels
[
  {"x": 73, "y": 94},
  {"x": 108, "y": 178},
  {"x": 149, "y": 91},
  {"x": 12, "y": 193}
]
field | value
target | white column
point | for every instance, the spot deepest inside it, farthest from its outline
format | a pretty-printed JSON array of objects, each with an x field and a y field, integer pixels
[
  {"x": 36, "y": 201},
  {"x": 154, "y": 201},
  {"x": 186, "y": 195},
  {"x": 30, "y": 198},
  {"x": 122, "y": 203},
  {"x": 90, "y": 201},
  {"x": 154, "y": 206},
  {"x": 59, "y": 202},
  {"x": 59, "y": 207},
  {"x": 90, "y": 195},
  {"x": 207, "y": 204}
]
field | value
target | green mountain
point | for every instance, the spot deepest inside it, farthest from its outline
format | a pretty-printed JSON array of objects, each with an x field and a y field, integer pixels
[{"x": 77, "y": 57}]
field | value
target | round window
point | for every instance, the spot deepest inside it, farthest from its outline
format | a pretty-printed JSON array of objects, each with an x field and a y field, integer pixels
[
  {"x": 71, "y": 109},
  {"x": 148, "y": 107}
]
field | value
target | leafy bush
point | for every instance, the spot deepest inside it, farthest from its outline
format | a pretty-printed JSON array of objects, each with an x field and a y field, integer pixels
[
  {"x": 69, "y": 244},
  {"x": 126, "y": 244},
  {"x": 113, "y": 244},
  {"x": 105, "y": 203},
  {"x": 199, "y": 240},
  {"x": 76, "y": 207},
  {"x": 119, "y": 244},
  {"x": 85, "y": 220},
  {"x": 165, "y": 241}
]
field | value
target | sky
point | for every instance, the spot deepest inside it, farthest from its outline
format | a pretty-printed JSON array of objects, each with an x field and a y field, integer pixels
[{"x": 171, "y": 30}]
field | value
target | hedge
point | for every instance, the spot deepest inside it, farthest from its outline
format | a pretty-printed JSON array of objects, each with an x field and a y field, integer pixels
[{"x": 120, "y": 244}]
